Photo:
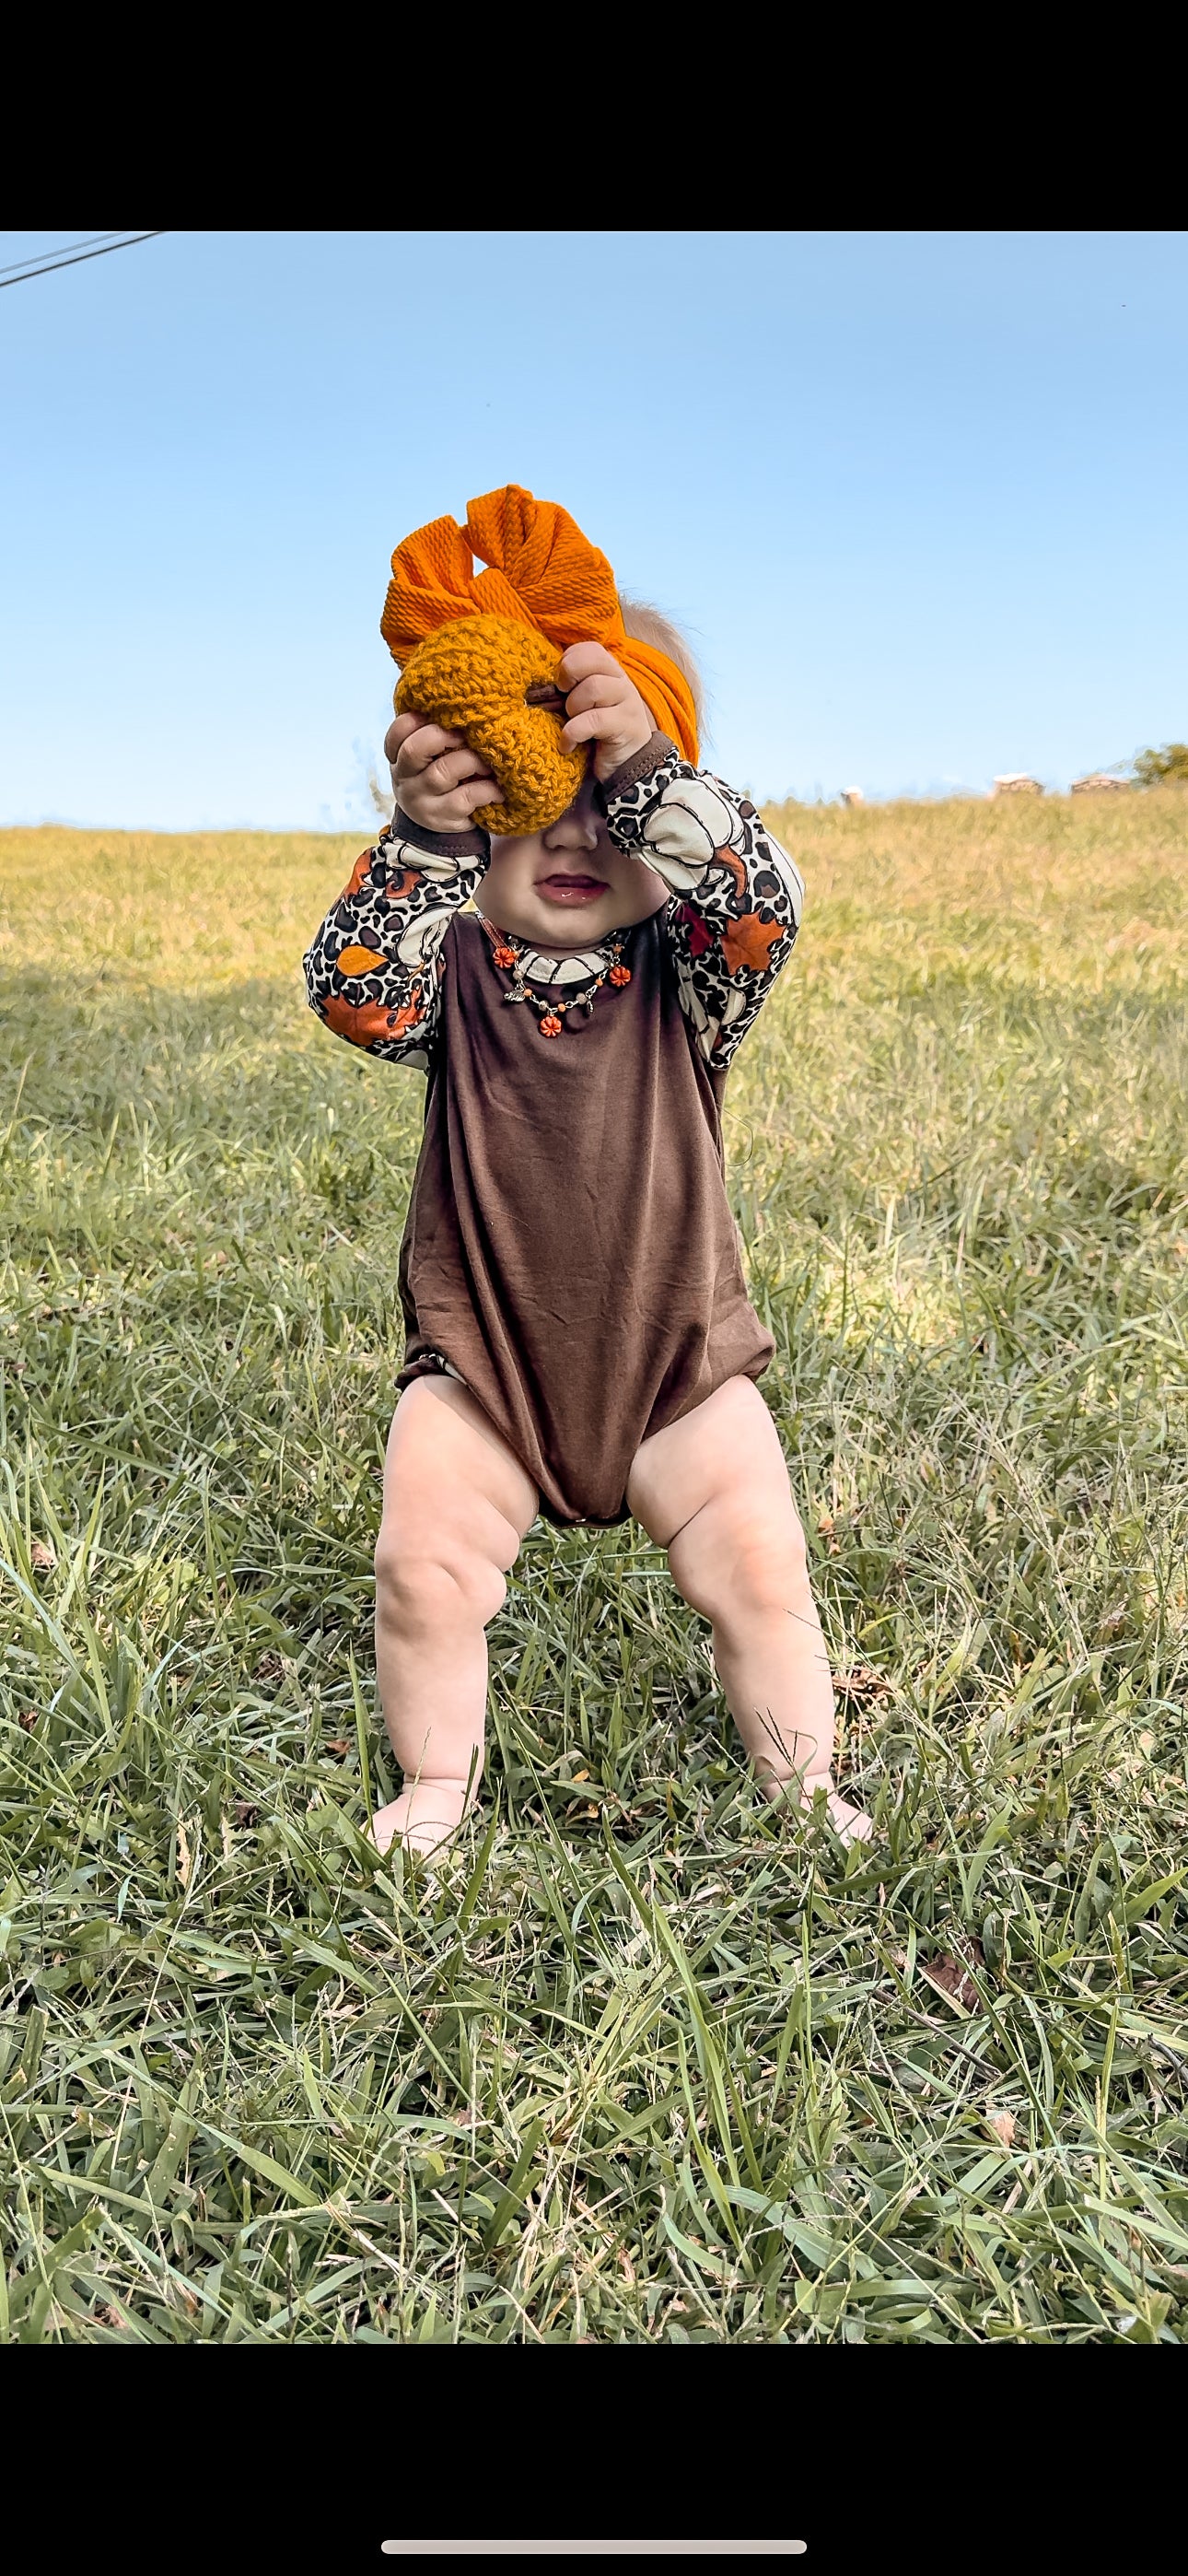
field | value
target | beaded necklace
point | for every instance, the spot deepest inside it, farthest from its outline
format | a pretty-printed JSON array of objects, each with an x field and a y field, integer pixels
[{"x": 513, "y": 954}]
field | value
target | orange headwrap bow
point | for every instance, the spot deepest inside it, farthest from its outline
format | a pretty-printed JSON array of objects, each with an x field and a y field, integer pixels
[{"x": 545, "y": 574}]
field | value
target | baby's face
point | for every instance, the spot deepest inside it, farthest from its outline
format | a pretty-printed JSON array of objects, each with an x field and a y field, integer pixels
[{"x": 569, "y": 887}]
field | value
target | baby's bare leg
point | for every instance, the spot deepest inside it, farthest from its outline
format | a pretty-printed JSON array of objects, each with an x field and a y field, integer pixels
[
  {"x": 456, "y": 1505},
  {"x": 713, "y": 1489}
]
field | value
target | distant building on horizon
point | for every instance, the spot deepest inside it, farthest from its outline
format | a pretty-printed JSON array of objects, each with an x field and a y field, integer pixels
[{"x": 1017, "y": 783}]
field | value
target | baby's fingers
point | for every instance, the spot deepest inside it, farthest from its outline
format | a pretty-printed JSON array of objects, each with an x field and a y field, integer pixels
[
  {"x": 594, "y": 724},
  {"x": 479, "y": 791},
  {"x": 399, "y": 731},
  {"x": 452, "y": 769},
  {"x": 602, "y": 689},
  {"x": 583, "y": 659},
  {"x": 416, "y": 743}
]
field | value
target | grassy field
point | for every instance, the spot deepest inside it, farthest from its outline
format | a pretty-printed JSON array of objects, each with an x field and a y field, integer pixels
[{"x": 647, "y": 2064}]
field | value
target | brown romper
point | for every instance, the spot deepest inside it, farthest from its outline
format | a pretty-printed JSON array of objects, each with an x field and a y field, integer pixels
[{"x": 569, "y": 1247}]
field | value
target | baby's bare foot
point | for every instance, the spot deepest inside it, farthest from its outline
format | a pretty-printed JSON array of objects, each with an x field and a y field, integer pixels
[
  {"x": 852, "y": 1824},
  {"x": 423, "y": 1818}
]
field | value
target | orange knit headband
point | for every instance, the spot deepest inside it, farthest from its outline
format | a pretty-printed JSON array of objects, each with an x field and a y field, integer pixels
[{"x": 545, "y": 574}]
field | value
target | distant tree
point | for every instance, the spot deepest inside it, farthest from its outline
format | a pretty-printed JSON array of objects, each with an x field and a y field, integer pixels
[{"x": 1156, "y": 768}]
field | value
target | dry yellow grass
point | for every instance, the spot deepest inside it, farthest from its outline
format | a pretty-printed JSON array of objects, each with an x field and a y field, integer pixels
[
  {"x": 1063, "y": 889},
  {"x": 172, "y": 909}
]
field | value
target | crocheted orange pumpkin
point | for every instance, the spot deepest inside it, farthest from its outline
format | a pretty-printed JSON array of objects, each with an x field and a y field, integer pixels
[{"x": 480, "y": 676}]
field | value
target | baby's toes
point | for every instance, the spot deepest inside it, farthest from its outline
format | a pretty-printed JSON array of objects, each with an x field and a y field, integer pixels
[
  {"x": 385, "y": 1825},
  {"x": 852, "y": 1823}
]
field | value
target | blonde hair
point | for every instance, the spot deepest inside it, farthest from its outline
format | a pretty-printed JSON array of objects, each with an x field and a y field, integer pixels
[{"x": 647, "y": 625}]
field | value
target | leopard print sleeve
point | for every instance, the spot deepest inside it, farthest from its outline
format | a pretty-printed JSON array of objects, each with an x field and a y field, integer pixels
[
  {"x": 373, "y": 971},
  {"x": 736, "y": 896}
]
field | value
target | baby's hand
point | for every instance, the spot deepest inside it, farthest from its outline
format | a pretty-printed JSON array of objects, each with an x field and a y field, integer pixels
[
  {"x": 604, "y": 708},
  {"x": 436, "y": 779}
]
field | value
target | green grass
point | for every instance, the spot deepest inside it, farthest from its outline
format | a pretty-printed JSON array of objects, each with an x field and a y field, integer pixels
[{"x": 647, "y": 2064}]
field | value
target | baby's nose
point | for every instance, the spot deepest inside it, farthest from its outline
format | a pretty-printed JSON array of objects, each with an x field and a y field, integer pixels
[{"x": 578, "y": 827}]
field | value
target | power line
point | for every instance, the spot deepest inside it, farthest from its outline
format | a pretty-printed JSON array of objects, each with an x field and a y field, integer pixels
[
  {"x": 43, "y": 267},
  {"x": 36, "y": 255}
]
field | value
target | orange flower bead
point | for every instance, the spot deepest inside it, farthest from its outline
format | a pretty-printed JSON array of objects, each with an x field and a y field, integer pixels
[
  {"x": 505, "y": 956},
  {"x": 620, "y": 975},
  {"x": 550, "y": 1026}
]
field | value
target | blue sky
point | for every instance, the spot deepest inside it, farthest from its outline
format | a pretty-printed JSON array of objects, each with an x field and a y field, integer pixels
[{"x": 918, "y": 498}]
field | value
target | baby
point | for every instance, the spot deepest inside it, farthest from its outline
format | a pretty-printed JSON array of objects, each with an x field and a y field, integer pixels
[{"x": 579, "y": 1341}]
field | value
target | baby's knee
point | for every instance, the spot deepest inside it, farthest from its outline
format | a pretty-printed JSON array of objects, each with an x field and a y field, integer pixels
[
  {"x": 743, "y": 1562},
  {"x": 432, "y": 1576}
]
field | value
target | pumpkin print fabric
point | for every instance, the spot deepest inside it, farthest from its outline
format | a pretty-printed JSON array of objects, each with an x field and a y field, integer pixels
[{"x": 374, "y": 968}]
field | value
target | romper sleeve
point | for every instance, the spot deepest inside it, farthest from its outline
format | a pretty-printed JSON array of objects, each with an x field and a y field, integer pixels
[
  {"x": 736, "y": 896},
  {"x": 373, "y": 971}
]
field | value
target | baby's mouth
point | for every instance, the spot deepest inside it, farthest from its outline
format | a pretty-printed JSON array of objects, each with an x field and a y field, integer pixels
[{"x": 563, "y": 888}]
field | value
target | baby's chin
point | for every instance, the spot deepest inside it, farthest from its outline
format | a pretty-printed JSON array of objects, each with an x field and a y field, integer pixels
[
  {"x": 570, "y": 923},
  {"x": 566, "y": 926}
]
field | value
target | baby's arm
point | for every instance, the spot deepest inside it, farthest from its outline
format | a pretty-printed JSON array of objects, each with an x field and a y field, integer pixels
[
  {"x": 374, "y": 968},
  {"x": 737, "y": 896},
  {"x": 373, "y": 971}
]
